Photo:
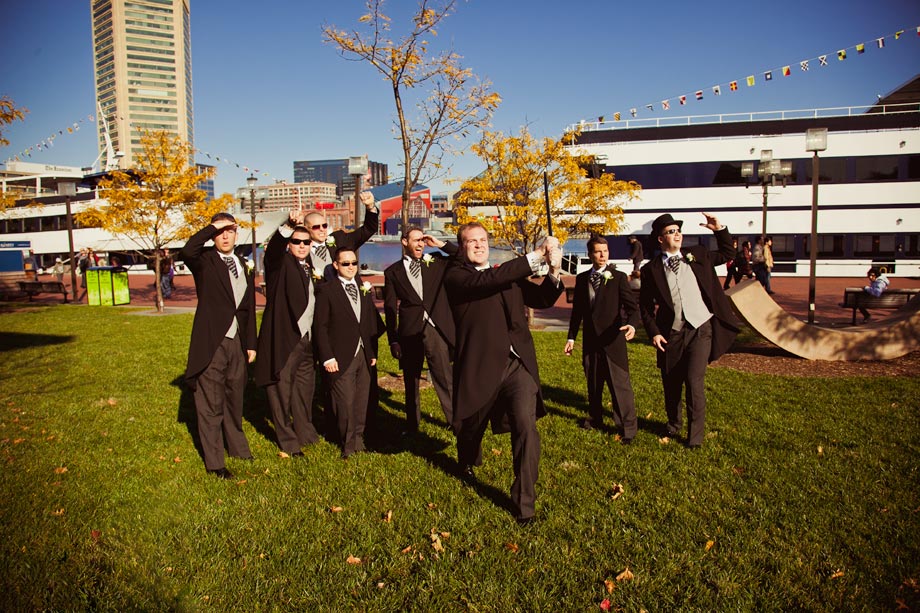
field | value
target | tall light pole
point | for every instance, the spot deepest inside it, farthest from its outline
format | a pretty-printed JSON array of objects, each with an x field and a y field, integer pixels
[
  {"x": 815, "y": 141},
  {"x": 68, "y": 189},
  {"x": 767, "y": 171},
  {"x": 254, "y": 194},
  {"x": 357, "y": 167}
]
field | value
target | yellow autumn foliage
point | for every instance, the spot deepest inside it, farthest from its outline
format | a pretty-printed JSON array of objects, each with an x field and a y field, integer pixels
[{"x": 513, "y": 182}]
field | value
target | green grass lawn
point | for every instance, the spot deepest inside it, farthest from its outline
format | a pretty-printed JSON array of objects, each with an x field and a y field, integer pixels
[{"x": 804, "y": 497}]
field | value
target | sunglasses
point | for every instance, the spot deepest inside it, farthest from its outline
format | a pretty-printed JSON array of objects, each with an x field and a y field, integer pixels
[
  {"x": 299, "y": 241},
  {"x": 672, "y": 231},
  {"x": 319, "y": 225},
  {"x": 352, "y": 263}
]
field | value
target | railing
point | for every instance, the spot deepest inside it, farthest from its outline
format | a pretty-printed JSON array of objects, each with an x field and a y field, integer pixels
[{"x": 721, "y": 118}]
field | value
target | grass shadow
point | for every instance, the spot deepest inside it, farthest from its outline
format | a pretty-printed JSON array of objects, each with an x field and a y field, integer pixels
[{"x": 10, "y": 341}]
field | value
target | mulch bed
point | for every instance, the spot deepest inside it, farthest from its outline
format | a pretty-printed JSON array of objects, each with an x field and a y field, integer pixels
[{"x": 770, "y": 360}]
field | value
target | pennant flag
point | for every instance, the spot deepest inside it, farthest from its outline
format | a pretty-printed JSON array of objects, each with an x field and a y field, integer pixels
[
  {"x": 768, "y": 76},
  {"x": 860, "y": 48},
  {"x": 786, "y": 71},
  {"x": 683, "y": 100},
  {"x": 897, "y": 34},
  {"x": 842, "y": 54},
  {"x": 918, "y": 30},
  {"x": 804, "y": 65},
  {"x": 699, "y": 94},
  {"x": 717, "y": 91},
  {"x": 750, "y": 81},
  {"x": 733, "y": 86},
  {"x": 822, "y": 59},
  {"x": 616, "y": 117},
  {"x": 600, "y": 119},
  {"x": 632, "y": 112},
  {"x": 666, "y": 105},
  {"x": 650, "y": 107},
  {"x": 880, "y": 42}
]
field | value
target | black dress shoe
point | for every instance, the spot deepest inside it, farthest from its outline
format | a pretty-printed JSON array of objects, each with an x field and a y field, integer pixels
[
  {"x": 467, "y": 473},
  {"x": 587, "y": 424},
  {"x": 222, "y": 473},
  {"x": 626, "y": 441},
  {"x": 297, "y": 454},
  {"x": 248, "y": 458},
  {"x": 525, "y": 521}
]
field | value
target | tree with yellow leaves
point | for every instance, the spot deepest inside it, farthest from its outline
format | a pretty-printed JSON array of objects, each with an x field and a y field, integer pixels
[
  {"x": 513, "y": 182},
  {"x": 8, "y": 114},
  {"x": 157, "y": 203},
  {"x": 450, "y": 100}
]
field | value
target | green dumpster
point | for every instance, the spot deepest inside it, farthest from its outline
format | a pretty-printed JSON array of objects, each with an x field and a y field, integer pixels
[{"x": 107, "y": 286}]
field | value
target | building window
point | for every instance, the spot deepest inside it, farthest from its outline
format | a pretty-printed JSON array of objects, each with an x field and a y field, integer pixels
[
  {"x": 830, "y": 245},
  {"x": 877, "y": 168},
  {"x": 784, "y": 246},
  {"x": 872, "y": 245}
]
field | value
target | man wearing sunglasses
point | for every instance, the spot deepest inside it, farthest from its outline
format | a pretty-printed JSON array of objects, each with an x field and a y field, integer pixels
[
  {"x": 347, "y": 326},
  {"x": 325, "y": 243},
  {"x": 286, "y": 367},
  {"x": 687, "y": 317},
  {"x": 223, "y": 340}
]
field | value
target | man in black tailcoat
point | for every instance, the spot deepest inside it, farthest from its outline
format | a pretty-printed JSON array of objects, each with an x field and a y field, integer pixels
[
  {"x": 419, "y": 322},
  {"x": 602, "y": 298},
  {"x": 687, "y": 317},
  {"x": 495, "y": 368},
  {"x": 223, "y": 340},
  {"x": 285, "y": 367}
]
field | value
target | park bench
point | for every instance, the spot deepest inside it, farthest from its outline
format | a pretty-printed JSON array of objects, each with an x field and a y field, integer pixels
[
  {"x": 855, "y": 297},
  {"x": 33, "y": 288}
]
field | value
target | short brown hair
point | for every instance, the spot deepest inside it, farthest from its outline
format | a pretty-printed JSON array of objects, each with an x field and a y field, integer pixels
[{"x": 468, "y": 226}]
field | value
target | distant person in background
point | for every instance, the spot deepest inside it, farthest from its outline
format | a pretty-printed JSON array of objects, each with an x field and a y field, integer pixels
[
  {"x": 83, "y": 262},
  {"x": 744, "y": 266},
  {"x": 878, "y": 283},
  {"x": 58, "y": 270},
  {"x": 635, "y": 280},
  {"x": 731, "y": 267},
  {"x": 31, "y": 266},
  {"x": 635, "y": 253},
  {"x": 763, "y": 262}
]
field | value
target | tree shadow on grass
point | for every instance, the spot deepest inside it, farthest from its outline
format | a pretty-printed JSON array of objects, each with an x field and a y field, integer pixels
[{"x": 10, "y": 341}]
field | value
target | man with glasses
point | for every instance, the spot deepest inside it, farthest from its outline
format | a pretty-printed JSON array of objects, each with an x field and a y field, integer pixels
[
  {"x": 347, "y": 326},
  {"x": 687, "y": 317},
  {"x": 223, "y": 340},
  {"x": 285, "y": 368},
  {"x": 325, "y": 243}
]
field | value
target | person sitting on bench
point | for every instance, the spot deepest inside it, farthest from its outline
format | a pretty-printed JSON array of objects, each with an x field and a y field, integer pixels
[{"x": 878, "y": 283}]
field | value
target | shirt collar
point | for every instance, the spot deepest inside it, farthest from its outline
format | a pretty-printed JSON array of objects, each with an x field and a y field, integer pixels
[
  {"x": 346, "y": 281},
  {"x": 665, "y": 255}
]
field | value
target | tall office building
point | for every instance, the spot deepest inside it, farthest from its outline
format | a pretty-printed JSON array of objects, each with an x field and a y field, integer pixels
[
  {"x": 336, "y": 171},
  {"x": 143, "y": 68}
]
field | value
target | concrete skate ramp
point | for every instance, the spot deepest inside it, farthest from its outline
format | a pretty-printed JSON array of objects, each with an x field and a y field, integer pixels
[{"x": 882, "y": 340}]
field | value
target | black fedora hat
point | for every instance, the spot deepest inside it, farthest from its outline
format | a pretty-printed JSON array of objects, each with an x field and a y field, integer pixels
[{"x": 662, "y": 222}]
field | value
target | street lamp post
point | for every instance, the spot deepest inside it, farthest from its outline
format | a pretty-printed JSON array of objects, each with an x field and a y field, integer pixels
[
  {"x": 68, "y": 189},
  {"x": 357, "y": 167},
  {"x": 254, "y": 194},
  {"x": 767, "y": 171},
  {"x": 815, "y": 141}
]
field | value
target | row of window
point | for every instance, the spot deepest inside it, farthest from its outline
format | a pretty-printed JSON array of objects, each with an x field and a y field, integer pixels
[{"x": 854, "y": 169}]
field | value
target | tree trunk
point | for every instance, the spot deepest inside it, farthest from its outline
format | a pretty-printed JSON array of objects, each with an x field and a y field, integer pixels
[{"x": 157, "y": 282}]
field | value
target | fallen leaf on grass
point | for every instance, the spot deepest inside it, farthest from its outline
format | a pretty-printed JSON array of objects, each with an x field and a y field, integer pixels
[
  {"x": 353, "y": 560},
  {"x": 58, "y": 513},
  {"x": 380, "y": 585},
  {"x": 902, "y": 606},
  {"x": 617, "y": 438},
  {"x": 283, "y": 455},
  {"x": 407, "y": 549},
  {"x": 512, "y": 547},
  {"x": 605, "y": 604},
  {"x": 709, "y": 545},
  {"x": 610, "y": 585},
  {"x": 112, "y": 402},
  {"x": 496, "y": 451},
  {"x": 820, "y": 450},
  {"x": 388, "y": 516},
  {"x": 616, "y": 491},
  {"x": 436, "y": 543},
  {"x": 432, "y": 505},
  {"x": 336, "y": 509},
  {"x": 16, "y": 441},
  {"x": 664, "y": 440},
  {"x": 60, "y": 470},
  {"x": 177, "y": 459},
  {"x": 95, "y": 534},
  {"x": 626, "y": 575},
  {"x": 837, "y": 574},
  {"x": 648, "y": 415},
  {"x": 738, "y": 470}
]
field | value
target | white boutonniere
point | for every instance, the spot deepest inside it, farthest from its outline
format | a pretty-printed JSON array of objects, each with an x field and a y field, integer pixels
[
  {"x": 366, "y": 288},
  {"x": 316, "y": 275},
  {"x": 607, "y": 276},
  {"x": 249, "y": 266},
  {"x": 427, "y": 259},
  {"x": 330, "y": 241},
  {"x": 689, "y": 258}
]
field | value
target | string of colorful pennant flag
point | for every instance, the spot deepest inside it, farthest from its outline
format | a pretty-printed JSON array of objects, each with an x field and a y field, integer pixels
[{"x": 751, "y": 80}]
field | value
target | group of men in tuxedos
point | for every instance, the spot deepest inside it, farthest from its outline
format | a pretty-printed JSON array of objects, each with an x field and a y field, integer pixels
[{"x": 467, "y": 319}]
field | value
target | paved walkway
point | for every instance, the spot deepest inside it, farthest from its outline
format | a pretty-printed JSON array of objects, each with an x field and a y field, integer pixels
[{"x": 791, "y": 294}]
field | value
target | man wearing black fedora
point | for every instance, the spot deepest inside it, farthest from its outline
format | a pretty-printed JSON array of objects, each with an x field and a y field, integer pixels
[{"x": 687, "y": 317}]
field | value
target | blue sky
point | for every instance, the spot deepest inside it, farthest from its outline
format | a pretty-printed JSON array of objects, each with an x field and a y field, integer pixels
[{"x": 267, "y": 91}]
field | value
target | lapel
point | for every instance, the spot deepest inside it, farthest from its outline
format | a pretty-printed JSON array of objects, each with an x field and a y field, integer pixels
[
  {"x": 661, "y": 282},
  {"x": 403, "y": 275},
  {"x": 223, "y": 274}
]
